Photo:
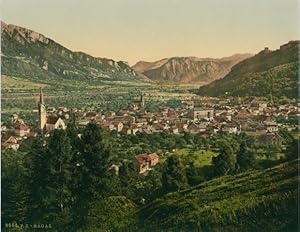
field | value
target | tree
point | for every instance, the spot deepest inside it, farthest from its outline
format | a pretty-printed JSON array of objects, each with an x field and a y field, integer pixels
[
  {"x": 128, "y": 178},
  {"x": 50, "y": 179},
  {"x": 193, "y": 174},
  {"x": 245, "y": 154},
  {"x": 14, "y": 187},
  {"x": 151, "y": 186},
  {"x": 270, "y": 78},
  {"x": 225, "y": 162},
  {"x": 95, "y": 153},
  {"x": 59, "y": 186},
  {"x": 173, "y": 175},
  {"x": 37, "y": 164},
  {"x": 287, "y": 136},
  {"x": 91, "y": 171},
  {"x": 72, "y": 132},
  {"x": 292, "y": 150}
]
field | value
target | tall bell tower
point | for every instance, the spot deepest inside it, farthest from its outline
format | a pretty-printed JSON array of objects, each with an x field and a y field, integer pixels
[
  {"x": 42, "y": 112},
  {"x": 142, "y": 101}
]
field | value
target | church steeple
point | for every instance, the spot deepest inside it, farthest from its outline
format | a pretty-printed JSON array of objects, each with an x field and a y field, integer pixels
[
  {"x": 142, "y": 101},
  {"x": 42, "y": 112},
  {"x": 41, "y": 96}
]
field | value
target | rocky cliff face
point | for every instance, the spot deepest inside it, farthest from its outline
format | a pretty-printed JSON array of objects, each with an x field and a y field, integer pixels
[
  {"x": 28, "y": 53},
  {"x": 188, "y": 70}
]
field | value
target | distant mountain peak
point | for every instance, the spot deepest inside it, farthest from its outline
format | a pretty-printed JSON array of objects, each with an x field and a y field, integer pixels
[
  {"x": 188, "y": 70},
  {"x": 27, "y": 34}
]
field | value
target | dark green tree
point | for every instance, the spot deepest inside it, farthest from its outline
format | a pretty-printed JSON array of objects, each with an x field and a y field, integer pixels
[
  {"x": 92, "y": 166},
  {"x": 292, "y": 150},
  {"x": 14, "y": 195},
  {"x": 38, "y": 179},
  {"x": 128, "y": 180},
  {"x": 193, "y": 174},
  {"x": 225, "y": 162},
  {"x": 286, "y": 135},
  {"x": 151, "y": 186},
  {"x": 72, "y": 132},
  {"x": 50, "y": 180},
  {"x": 173, "y": 175},
  {"x": 245, "y": 155},
  {"x": 60, "y": 195}
]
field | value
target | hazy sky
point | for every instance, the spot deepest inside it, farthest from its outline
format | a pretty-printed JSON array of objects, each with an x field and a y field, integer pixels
[{"x": 133, "y": 30}]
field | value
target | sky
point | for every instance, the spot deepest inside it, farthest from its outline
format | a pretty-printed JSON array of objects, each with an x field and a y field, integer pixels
[{"x": 149, "y": 30}]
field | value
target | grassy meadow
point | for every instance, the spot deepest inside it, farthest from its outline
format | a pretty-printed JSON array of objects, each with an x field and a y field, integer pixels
[{"x": 201, "y": 157}]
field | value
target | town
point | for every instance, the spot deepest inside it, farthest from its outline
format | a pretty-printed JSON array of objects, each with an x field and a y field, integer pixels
[{"x": 203, "y": 117}]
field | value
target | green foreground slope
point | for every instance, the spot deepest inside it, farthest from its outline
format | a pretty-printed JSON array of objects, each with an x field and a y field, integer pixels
[
  {"x": 264, "y": 200},
  {"x": 115, "y": 213}
]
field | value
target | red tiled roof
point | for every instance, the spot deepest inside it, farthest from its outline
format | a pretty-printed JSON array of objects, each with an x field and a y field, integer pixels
[
  {"x": 142, "y": 158},
  {"x": 91, "y": 114},
  {"x": 31, "y": 134},
  {"x": 6, "y": 138},
  {"x": 20, "y": 126},
  {"x": 153, "y": 156},
  {"x": 52, "y": 119}
]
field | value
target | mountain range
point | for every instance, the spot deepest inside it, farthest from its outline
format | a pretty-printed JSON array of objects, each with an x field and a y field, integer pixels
[
  {"x": 26, "y": 53},
  {"x": 268, "y": 73},
  {"x": 188, "y": 70}
]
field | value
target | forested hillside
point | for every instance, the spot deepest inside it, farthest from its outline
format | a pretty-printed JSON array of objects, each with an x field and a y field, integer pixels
[{"x": 267, "y": 74}]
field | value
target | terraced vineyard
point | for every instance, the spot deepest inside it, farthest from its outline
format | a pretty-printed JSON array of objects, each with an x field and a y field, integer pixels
[{"x": 252, "y": 201}]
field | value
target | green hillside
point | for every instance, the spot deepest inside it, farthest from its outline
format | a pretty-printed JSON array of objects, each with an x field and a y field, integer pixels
[
  {"x": 112, "y": 214},
  {"x": 269, "y": 73},
  {"x": 264, "y": 200}
]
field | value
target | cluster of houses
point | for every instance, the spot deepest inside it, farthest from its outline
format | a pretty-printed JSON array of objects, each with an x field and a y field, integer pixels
[
  {"x": 203, "y": 117},
  {"x": 20, "y": 130}
]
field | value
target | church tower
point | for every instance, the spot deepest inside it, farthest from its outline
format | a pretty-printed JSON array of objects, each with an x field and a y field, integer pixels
[
  {"x": 42, "y": 112},
  {"x": 142, "y": 101}
]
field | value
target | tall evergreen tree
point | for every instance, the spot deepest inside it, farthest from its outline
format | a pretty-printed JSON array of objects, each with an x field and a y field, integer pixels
[
  {"x": 245, "y": 154},
  {"x": 72, "y": 132},
  {"x": 245, "y": 157},
  {"x": 14, "y": 192},
  {"x": 193, "y": 174},
  {"x": 38, "y": 179},
  {"x": 173, "y": 175},
  {"x": 95, "y": 154},
  {"x": 59, "y": 151},
  {"x": 151, "y": 186},
  {"x": 91, "y": 171},
  {"x": 225, "y": 162},
  {"x": 292, "y": 150},
  {"x": 128, "y": 179},
  {"x": 50, "y": 179}
]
